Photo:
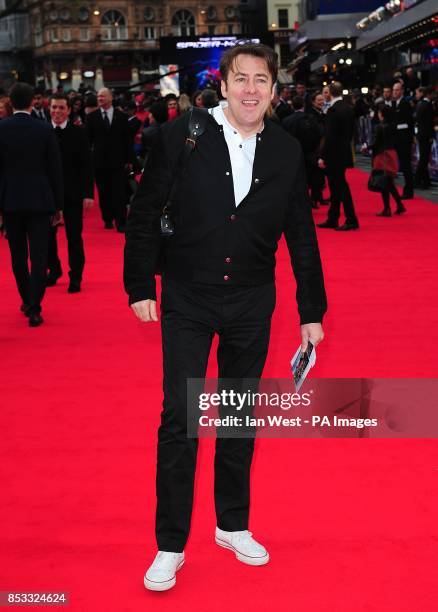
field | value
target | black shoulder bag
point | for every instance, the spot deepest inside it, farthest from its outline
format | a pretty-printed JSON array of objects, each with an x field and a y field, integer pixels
[{"x": 197, "y": 123}]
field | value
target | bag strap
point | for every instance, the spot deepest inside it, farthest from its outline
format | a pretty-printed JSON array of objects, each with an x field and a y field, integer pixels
[{"x": 196, "y": 127}]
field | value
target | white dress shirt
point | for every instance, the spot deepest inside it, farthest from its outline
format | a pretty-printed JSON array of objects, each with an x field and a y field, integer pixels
[
  {"x": 61, "y": 125},
  {"x": 109, "y": 113},
  {"x": 242, "y": 152}
]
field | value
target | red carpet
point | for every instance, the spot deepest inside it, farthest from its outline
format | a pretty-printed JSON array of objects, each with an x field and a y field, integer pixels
[{"x": 350, "y": 524}]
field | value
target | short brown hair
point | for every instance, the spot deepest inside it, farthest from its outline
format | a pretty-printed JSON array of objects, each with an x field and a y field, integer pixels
[{"x": 254, "y": 49}]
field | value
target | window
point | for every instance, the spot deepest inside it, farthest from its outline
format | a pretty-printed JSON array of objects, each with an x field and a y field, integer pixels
[
  {"x": 54, "y": 35},
  {"x": 283, "y": 18},
  {"x": 66, "y": 35},
  {"x": 183, "y": 23},
  {"x": 84, "y": 34},
  {"x": 149, "y": 14},
  {"x": 149, "y": 32},
  {"x": 114, "y": 26}
]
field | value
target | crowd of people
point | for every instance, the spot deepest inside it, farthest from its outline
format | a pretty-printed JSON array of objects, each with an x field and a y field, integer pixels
[{"x": 103, "y": 139}]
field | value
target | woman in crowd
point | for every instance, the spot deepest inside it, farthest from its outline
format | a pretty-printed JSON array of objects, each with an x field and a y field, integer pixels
[{"x": 384, "y": 142}]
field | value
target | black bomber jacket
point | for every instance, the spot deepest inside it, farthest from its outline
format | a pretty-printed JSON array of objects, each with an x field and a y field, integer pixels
[{"x": 216, "y": 242}]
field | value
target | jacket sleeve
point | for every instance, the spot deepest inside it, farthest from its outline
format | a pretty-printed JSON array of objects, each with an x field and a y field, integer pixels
[
  {"x": 54, "y": 169},
  {"x": 143, "y": 238},
  {"x": 303, "y": 248}
]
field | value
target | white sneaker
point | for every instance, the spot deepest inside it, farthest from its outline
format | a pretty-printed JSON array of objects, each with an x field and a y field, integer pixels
[
  {"x": 161, "y": 575},
  {"x": 243, "y": 545}
]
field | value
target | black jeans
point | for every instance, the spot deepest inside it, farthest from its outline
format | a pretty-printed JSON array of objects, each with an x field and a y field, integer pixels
[
  {"x": 73, "y": 221},
  {"x": 191, "y": 315},
  {"x": 111, "y": 186},
  {"x": 28, "y": 234},
  {"x": 340, "y": 193}
]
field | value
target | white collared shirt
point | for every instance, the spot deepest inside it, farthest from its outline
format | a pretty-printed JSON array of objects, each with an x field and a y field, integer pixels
[
  {"x": 61, "y": 125},
  {"x": 242, "y": 153},
  {"x": 22, "y": 111},
  {"x": 109, "y": 112}
]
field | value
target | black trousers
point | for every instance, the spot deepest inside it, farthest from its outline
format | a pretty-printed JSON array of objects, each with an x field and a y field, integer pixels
[
  {"x": 404, "y": 153},
  {"x": 422, "y": 177},
  {"x": 111, "y": 186},
  {"x": 340, "y": 194},
  {"x": 73, "y": 221},
  {"x": 28, "y": 234},
  {"x": 191, "y": 315}
]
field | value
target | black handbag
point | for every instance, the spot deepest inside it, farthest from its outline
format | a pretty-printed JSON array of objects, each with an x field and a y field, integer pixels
[
  {"x": 378, "y": 181},
  {"x": 197, "y": 123}
]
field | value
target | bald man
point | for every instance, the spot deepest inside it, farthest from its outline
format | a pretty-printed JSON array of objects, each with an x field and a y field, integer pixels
[{"x": 113, "y": 151}]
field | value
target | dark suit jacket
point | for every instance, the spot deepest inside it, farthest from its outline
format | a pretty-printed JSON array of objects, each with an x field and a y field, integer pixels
[
  {"x": 424, "y": 118},
  {"x": 46, "y": 115},
  {"x": 112, "y": 148},
  {"x": 76, "y": 164},
  {"x": 30, "y": 166},
  {"x": 339, "y": 128},
  {"x": 283, "y": 110}
]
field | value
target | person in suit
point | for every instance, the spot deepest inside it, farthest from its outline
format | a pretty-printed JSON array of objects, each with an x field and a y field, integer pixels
[
  {"x": 336, "y": 157},
  {"x": 218, "y": 277},
  {"x": 403, "y": 122},
  {"x": 31, "y": 196},
  {"x": 113, "y": 153},
  {"x": 78, "y": 183},
  {"x": 281, "y": 106},
  {"x": 425, "y": 134},
  {"x": 305, "y": 128},
  {"x": 39, "y": 111}
]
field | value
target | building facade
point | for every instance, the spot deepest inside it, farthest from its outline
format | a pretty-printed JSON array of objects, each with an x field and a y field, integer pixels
[
  {"x": 15, "y": 48},
  {"x": 282, "y": 21},
  {"x": 116, "y": 42}
]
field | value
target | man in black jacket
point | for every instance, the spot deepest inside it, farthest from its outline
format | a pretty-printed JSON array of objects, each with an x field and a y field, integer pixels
[
  {"x": 336, "y": 157},
  {"x": 403, "y": 122},
  {"x": 113, "y": 152},
  {"x": 30, "y": 196},
  {"x": 243, "y": 187},
  {"x": 425, "y": 134},
  {"x": 78, "y": 192}
]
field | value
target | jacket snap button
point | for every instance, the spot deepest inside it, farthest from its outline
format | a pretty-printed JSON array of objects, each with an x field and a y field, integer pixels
[
  {"x": 233, "y": 217},
  {"x": 228, "y": 260},
  {"x": 256, "y": 180},
  {"x": 226, "y": 277}
]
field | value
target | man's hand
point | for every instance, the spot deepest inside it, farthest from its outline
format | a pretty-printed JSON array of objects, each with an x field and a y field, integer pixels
[
  {"x": 87, "y": 203},
  {"x": 312, "y": 332},
  {"x": 321, "y": 164},
  {"x": 146, "y": 310}
]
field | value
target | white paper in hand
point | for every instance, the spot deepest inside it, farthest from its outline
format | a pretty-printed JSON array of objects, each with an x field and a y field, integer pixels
[{"x": 301, "y": 364}]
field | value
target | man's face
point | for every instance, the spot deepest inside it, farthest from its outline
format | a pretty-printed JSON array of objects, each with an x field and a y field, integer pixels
[
  {"x": 301, "y": 89},
  {"x": 326, "y": 94},
  {"x": 248, "y": 90},
  {"x": 38, "y": 101},
  {"x": 285, "y": 93},
  {"x": 319, "y": 102},
  {"x": 172, "y": 104},
  {"x": 59, "y": 111},
  {"x": 397, "y": 91},
  {"x": 418, "y": 94},
  {"x": 387, "y": 93},
  {"x": 104, "y": 98}
]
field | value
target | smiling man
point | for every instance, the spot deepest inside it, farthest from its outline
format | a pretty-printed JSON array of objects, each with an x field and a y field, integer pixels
[{"x": 244, "y": 186}]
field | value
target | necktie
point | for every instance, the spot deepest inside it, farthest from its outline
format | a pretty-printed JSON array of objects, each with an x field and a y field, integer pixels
[
  {"x": 106, "y": 120},
  {"x": 58, "y": 130}
]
